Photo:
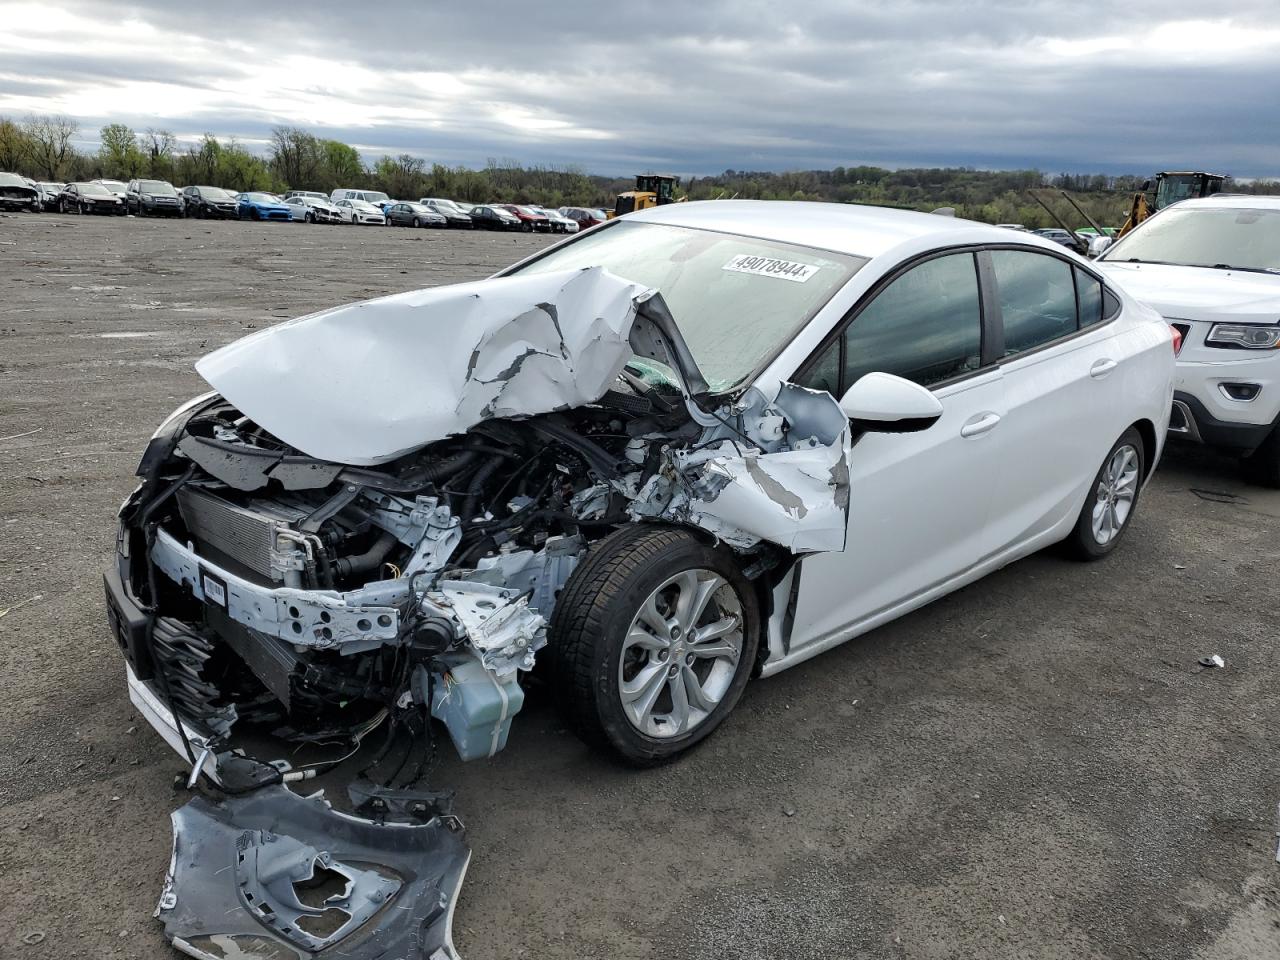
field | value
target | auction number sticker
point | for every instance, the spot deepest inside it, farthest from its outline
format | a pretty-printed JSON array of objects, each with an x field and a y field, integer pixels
[
  {"x": 771, "y": 267},
  {"x": 213, "y": 588}
]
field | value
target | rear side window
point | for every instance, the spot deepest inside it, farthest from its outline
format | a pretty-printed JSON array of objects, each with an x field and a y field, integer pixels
[
  {"x": 925, "y": 326},
  {"x": 1037, "y": 298},
  {"x": 1088, "y": 298}
]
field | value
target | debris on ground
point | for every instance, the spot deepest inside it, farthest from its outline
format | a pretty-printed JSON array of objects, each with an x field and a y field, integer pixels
[
  {"x": 274, "y": 874},
  {"x": 1212, "y": 662}
]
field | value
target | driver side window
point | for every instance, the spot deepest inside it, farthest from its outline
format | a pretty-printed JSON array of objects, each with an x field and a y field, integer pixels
[{"x": 925, "y": 326}]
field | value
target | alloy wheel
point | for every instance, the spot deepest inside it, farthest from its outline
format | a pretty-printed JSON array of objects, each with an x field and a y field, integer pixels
[
  {"x": 680, "y": 653},
  {"x": 1116, "y": 492}
]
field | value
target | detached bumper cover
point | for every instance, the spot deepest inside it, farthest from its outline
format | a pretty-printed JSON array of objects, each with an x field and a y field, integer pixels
[{"x": 242, "y": 871}]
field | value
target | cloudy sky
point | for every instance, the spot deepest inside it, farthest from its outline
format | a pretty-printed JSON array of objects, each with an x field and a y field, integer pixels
[{"x": 695, "y": 87}]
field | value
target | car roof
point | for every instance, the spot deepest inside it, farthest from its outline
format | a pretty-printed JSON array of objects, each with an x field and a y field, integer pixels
[
  {"x": 849, "y": 228},
  {"x": 1230, "y": 201}
]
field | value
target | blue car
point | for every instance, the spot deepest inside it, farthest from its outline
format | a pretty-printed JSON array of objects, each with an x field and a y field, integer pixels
[{"x": 261, "y": 206}]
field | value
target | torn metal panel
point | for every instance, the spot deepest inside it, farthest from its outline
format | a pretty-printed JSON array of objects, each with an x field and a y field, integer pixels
[
  {"x": 243, "y": 875},
  {"x": 368, "y": 382},
  {"x": 502, "y": 628},
  {"x": 789, "y": 485}
]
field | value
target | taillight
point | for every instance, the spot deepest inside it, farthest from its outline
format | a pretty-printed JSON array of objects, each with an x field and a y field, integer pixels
[{"x": 1177, "y": 339}]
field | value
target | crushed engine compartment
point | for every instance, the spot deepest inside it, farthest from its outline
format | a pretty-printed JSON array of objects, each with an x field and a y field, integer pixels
[
  {"x": 412, "y": 574},
  {"x": 338, "y": 583}
]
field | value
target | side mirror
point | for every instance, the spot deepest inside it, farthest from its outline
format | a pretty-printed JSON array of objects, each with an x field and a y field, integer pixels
[
  {"x": 1099, "y": 244},
  {"x": 883, "y": 403}
]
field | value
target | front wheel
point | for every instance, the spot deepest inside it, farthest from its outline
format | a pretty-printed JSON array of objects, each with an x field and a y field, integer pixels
[
  {"x": 1112, "y": 499},
  {"x": 652, "y": 641}
]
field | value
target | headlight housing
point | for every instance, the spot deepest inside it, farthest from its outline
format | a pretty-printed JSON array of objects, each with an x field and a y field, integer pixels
[{"x": 1242, "y": 336}]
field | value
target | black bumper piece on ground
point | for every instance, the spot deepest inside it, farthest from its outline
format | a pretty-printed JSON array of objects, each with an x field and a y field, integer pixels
[{"x": 241, "y": 868}]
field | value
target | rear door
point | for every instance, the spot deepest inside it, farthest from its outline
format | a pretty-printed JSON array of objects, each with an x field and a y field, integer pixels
[
  {"x": 1063, "y": 386},
  {"x": 919, "y": 502}
]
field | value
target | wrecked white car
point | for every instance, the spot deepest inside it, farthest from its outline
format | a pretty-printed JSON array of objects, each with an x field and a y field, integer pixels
[
  {"x": 621, "y": 464},
  {"x": 623, "y": 461}
]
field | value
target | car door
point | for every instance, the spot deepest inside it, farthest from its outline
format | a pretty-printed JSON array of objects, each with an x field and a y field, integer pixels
[
  {"x": 919, "y": 502},
  {"x": 1063, "y": 386}
]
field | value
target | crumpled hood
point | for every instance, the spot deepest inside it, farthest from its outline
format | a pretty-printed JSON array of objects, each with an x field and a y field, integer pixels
[
  {"x": 1200, "y": 293},
  {"x": 368, "y": 382}
]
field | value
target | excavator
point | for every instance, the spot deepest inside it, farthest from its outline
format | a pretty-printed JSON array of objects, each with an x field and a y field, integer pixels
[
  {"x": 1170, "y": 187},
  {"x": 652, "y": 190}
]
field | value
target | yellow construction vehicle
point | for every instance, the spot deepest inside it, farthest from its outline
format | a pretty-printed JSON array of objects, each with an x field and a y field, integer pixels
[
  {"x": 1170, "y": 187},
  {"x": 652, "y": 190}
]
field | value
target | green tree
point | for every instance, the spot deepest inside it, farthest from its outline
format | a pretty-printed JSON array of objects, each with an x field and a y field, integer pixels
[
  {"x": 120, "y": 154},
  {"x": 15, "y": 148}
]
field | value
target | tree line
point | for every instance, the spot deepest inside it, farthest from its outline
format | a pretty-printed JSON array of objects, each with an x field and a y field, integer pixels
[{"x": 44, "y": 148}]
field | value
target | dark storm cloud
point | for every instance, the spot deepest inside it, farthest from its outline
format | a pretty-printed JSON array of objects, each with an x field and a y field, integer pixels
[{"x": 694, "y": 88}]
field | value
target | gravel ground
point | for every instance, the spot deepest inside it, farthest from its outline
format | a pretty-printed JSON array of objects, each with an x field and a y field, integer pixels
[{"x": 1034, "y": 767}]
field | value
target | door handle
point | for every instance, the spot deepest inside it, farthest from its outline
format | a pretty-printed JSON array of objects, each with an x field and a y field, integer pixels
[
  {"x": 977, "y": 426},
  {"x": 1101, "y": 368}
]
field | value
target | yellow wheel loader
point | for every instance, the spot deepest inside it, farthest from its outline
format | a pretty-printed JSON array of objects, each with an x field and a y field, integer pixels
[{"x": 652, "y": 190}]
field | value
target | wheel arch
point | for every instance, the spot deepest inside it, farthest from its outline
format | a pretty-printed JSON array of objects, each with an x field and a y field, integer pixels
[{"x": 1147, "y": 431}]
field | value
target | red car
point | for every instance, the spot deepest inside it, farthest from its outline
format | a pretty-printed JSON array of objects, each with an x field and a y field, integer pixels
[
  {"x": 529, "y": 219},
  {"x": 585, "y": 216}
]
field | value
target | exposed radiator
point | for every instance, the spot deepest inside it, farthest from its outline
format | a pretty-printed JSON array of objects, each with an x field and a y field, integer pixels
[{"x": 245, "y": 534}]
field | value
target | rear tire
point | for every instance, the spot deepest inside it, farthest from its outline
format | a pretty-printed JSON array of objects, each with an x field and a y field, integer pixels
[
  {"x": 1112, "y": 500},
  {"x": 1262, "y": 467},
  {"x": 648, "y": 693}
]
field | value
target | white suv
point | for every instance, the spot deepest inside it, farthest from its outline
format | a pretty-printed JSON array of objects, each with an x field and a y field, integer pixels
[{"x": 1212, "y": 267}]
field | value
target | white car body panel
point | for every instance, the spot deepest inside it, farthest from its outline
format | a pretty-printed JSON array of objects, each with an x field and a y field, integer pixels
[
  {"x": 497, "y": 353},
  {"x": 906, "y": 545}
]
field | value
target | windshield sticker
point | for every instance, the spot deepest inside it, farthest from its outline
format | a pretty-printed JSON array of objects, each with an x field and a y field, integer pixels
[{"x": 771, "y": 267}]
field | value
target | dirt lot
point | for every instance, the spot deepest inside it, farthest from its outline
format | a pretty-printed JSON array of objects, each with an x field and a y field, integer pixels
[{"x": 1034, "y": 767}]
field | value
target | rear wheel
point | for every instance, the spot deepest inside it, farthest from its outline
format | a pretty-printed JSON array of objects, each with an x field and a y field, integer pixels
[
  {"x": 652, "y": 641},
  {"x": 1262, "y": 467},
  {"x": 1112, "y": 499}
]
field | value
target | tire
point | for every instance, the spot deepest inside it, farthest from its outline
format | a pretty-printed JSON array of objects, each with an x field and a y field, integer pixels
[
  {"x": 417, "y": 222},
  {"x": 1112, "y": 500},
  {"x": 1262, "y": 467},
  {"x": 594, "y": 656}
]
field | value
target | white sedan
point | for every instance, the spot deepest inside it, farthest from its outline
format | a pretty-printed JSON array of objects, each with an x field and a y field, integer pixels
[
  {"x": 697, "y": 444},
  {"x": 304, "y": 208},
  {"x": 360, "y": 211},
  {"x": 1212, "y": 267}
]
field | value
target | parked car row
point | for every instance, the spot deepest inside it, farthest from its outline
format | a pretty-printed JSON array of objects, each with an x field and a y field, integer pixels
[{"x": 149, "y": 198}]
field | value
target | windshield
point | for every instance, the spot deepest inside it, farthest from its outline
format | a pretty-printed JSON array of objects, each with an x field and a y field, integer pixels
[
  {"x": 259, "y": 197},
  {"x": 156, "y": 188},
  {"x": 113, "y": 185},
  {"x": 1237, "y": 237},
  {"x": 12, "y": 180},
  {"x": 214, "y": 193},
  {"x": 94, "y": 190},
  {"x": 737, "y": 300},
  {"x": 373, "y": 196}
]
